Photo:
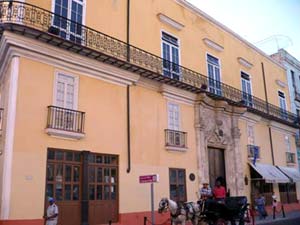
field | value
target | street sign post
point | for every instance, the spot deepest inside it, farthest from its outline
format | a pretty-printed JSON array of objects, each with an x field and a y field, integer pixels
[{"x": 154, "y": 178}]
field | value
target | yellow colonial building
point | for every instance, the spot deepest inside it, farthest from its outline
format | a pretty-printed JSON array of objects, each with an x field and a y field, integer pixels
[{"x": 95, "y": 94}]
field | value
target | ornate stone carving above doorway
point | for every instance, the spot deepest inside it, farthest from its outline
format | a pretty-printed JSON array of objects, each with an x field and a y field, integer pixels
[{"x": 217, "y": 127}]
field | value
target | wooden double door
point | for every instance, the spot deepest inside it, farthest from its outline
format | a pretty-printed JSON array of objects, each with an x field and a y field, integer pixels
[
  {"x": 216, "y": 162},
  {"x": 84, "y": 185}
]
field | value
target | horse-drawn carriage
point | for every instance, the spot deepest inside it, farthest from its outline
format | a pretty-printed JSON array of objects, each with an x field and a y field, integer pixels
[{"x": 234, "y": 210}]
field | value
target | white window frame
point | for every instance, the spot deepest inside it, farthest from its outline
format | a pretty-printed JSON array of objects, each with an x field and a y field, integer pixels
[
  {"x": 249, "y": 103},
  {"x": 284, "y": 114},
  {"x": 69, "y": 12},
  {"x": 250, "y": 134},
  {"x": 171, "y": 45},
  {"x": 172, "y": 104},
  {"x": 76, "y": 83},
  {"x": 220, "y": 72},
  {"x": 287, "y": 142}
]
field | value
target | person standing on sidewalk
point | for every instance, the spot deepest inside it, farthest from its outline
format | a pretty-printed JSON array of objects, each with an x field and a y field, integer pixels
[
  {"x": 260, "y": 204},
  {"x": 52, "y": 213},
  {"x": 274, "y": 205}
]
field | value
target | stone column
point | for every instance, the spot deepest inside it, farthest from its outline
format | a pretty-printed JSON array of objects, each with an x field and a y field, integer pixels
[{"x": 239, "y": 173}]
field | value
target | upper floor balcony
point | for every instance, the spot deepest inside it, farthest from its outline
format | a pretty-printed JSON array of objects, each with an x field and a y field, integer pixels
[
  {"x": 253, "y": 151},
  {"x": 34, "y": 22},
  {"x": 290, "y": 158},
  {"x": 1, "y": 119},
  {"x": 297, "y": 96},
  {"x": 64, "y": 122}
]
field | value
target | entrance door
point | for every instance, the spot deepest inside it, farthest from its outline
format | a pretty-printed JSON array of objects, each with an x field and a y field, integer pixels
[
  {"x": 216, "y": 166},
  {"x": 63, "y": 182},
  {"x": 103, "y": 194},
  {"x": 71, "y": 179}
]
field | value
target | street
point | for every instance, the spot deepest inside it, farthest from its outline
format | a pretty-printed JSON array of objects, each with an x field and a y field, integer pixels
[{"x": 290, "y": 221}]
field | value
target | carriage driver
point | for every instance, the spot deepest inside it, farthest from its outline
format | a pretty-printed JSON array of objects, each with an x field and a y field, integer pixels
[{"x": 205, "y": 191}]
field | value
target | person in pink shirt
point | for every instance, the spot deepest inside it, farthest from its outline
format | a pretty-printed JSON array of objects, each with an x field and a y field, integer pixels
[{"x": 219, "y": 192}]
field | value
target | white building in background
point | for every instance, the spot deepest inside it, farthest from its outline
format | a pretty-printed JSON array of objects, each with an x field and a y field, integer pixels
[{"x": 292, "y": 66}]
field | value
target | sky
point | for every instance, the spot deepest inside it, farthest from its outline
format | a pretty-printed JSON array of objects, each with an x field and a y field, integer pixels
[{"x": 268, "y": 24}]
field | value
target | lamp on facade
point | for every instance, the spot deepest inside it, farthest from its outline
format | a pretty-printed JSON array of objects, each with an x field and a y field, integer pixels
[{"x": 246, "y": 180}]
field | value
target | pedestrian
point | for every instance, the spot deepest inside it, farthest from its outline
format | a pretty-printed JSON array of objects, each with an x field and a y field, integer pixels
[
  {"x": 219, "y": 192},
  {"x": 52, "y": 212},
  {"x": 260, "y": 204},
  {"x": 274, "y": 205},
  {"x": 205, "y": 191}
]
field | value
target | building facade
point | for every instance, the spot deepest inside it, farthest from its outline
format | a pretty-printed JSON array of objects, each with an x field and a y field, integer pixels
[
  {"x": 292, "y": 66},
  {"x": 95, "y": 94}
]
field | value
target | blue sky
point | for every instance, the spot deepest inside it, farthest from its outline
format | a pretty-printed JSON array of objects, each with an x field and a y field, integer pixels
[{"x": 268, "y": 24}]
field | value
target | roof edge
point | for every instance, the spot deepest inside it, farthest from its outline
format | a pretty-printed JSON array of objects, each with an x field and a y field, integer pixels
[{"x": 190, "y": 6}]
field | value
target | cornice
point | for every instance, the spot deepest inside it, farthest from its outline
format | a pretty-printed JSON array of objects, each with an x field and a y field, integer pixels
[
  {"x": 282, "y": 128},
  {"x": 42, "y": 52},
  {"x": 211, "y": 44},
  {"x": 245, "y": 62},
  {"x": 167, "y": 20},
  {"x": 177, "y": 94}
]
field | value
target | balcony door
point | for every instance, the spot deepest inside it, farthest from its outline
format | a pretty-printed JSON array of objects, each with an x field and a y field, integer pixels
[
  {"x": 216, "y": 163},
  {"x": 68, "y": 18},
  {"x": 246, "y": 88},
  {"x": 170, "y": 54},
  {"x": 214, "y": 77},
  {"x": 65, "y": 98}
]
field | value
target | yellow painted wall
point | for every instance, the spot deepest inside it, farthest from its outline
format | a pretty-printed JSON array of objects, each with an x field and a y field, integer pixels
[
  {"x": 105, "y": 128},
  {"x": 109, "y": 16}
]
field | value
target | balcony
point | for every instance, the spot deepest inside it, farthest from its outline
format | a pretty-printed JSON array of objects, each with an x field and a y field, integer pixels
[
  {"x": 290, "y": 158},
  {"x": 252, "y": 151},
  {"x": 297, "y": 96},
  {"x": 1, "y": 120},
  {"x": 34, "y": 22},
  {"x": 66, "y": 123},
  {"x": 175, "y": 140}
]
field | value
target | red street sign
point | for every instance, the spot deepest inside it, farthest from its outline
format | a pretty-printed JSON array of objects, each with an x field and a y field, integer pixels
[{"x": 149, "y": 178}]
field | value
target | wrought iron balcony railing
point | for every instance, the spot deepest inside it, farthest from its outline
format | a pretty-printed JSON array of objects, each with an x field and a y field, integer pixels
[
  {"x": 290, "y": 157},
  {"x": 253, "y": 150},
  {"x": 297, "y": 96},
  {"x": 1, "y": 118},
  {"x": 32, "y": 21},
  {"x": 175, "y": 138},
  {"x": 65, "y": 119}
]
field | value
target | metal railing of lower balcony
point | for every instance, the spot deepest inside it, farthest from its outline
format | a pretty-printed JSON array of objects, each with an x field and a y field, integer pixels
[
  {"x": 46, "y": 26},
  {"x": 297, "y": 96},
  {"x": 175, "y": 138},
  {"x": 253, "y": 150},
  {"x": 65, "y": 119},
  {"x": 290, "y": 157}
]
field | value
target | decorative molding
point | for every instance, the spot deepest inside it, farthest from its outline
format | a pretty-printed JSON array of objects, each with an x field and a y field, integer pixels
[
  {"x": 149, "y": 84},
  {"x": 64, "y": 134},
  {"x": 178, "y": 95},
  {"x": 64, "y": 60},
  {"x": 281, "y": 83},
  {"x": 283, "y": 128},
  {"x": 9, "y": 138},
  {"x": 244, "y": 62},
  {"x": 213, "y": 45},
  {"x": 176, "y": 149},
  {"x": 251, "y": 117},
  {"x": 167, "y": 20}
]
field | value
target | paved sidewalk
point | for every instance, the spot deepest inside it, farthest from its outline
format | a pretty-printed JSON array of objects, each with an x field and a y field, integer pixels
[{"x": 269, "y": 219}]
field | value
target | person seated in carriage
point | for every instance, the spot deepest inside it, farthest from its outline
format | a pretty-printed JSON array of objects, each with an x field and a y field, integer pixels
[
  {"x": 219, "y": 192},
  {"x": 205, "y": 192}
]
